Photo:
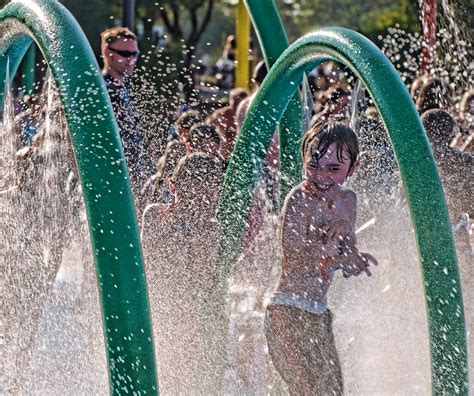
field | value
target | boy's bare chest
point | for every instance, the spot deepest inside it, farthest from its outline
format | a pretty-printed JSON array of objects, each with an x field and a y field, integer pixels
[{"x": 320, "y": 212}]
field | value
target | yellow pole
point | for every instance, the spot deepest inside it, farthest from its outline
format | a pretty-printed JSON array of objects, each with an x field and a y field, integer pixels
[{"x": 242, "y": 28}]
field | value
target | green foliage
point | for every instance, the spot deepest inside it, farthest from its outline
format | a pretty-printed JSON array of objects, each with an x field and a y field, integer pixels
[
  {"x": 371, "y": 18},
  {"x": 94, "y": 16}
]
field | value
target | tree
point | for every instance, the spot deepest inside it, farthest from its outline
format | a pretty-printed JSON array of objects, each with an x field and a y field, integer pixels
[
  {"x": 93, "y": 16},
  {"x": 371, "y": 18},
  {"x": 185, "y": 22}
]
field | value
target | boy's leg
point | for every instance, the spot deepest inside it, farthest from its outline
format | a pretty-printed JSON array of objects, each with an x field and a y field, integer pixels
[
  {"x": 302, "y": 348},
  {"x": 282, "y": 349},
  {"x": 321, "y": 359}
]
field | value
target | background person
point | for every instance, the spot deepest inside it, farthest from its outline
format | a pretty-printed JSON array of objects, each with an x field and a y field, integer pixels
[
  {"x": 180, "y": 242},
  {"x": 225, "y": 121},
  {"x": 120, "y": 53}
]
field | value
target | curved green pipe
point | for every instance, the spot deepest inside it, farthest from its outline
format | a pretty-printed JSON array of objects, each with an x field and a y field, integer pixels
[
  {"x": 417, "y": 167},
  {"x": 273, "y": 41},
  {"x": 101, "y": 164},
  {"x": 269, "y": 28}
]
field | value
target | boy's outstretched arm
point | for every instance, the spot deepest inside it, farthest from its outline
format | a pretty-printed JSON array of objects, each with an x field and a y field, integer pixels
[
  {"x": 353, "y": 263},
  {"x": 350, "y": 260},
  {"x": 342, "y": 233}
]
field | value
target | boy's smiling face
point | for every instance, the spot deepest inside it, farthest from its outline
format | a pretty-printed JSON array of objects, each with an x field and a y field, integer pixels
[{"x": 326, "y": 175}]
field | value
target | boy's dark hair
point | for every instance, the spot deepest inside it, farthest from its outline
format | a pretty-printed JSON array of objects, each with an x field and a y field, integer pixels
[
  {"x": 201, "y": 132},
  {"x": 188, "y": 119},
  {"x": 440, "y": 127},
  {"x": 327, "y": 133},
  {"x": 196, "y": 167}
]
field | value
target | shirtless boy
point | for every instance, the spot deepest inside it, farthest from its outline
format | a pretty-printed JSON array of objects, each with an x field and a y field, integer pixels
[{"x": 317, "y": 239}]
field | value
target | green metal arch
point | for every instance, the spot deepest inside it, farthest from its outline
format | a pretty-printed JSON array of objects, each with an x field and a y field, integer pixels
[
  {"x": 417, "y": 167},
  {"x": 104, "y": 177},
  {"x": 273, "y": 41}
]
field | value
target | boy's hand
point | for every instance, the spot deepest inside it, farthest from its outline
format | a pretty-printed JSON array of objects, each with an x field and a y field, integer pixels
[
  {"x": 333, "y": 234},
  {"x": 358, "y": 263},
  {"x": 336, "y": 230}
]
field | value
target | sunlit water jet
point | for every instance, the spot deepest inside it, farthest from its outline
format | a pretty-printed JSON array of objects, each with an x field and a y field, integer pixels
[
  {"x": 7, "y": 137},
  {"x": 452, "y": 52},
  {"x": 51, "y": 324}
]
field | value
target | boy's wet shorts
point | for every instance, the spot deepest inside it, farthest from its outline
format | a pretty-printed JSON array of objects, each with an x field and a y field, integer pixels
[{"x": 302, "y": 348}]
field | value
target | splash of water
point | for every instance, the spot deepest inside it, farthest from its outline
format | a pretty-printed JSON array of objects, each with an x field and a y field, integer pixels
[
  {"x": 52, "y": 339},
  {"x": 357, "y": 104},
  {"x": 452, "y": 52},
  {"x": 8, "y": 144},
  {"x": 308, "y": 103}
]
